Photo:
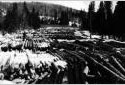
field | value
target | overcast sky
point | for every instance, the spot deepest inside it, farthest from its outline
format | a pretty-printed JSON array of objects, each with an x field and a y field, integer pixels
[{"x": 80, "y": 4}]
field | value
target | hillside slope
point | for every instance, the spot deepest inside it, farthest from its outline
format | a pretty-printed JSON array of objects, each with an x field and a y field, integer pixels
[{"x": 43, "y": 8}]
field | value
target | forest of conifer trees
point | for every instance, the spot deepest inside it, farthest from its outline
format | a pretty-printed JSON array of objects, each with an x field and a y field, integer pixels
[
  {"x": 104, "y": 21},
  {"x": 26, "y": 17}
]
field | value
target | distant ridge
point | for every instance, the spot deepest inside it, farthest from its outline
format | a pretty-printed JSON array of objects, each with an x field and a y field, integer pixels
[{"x": 42, "y": 7}]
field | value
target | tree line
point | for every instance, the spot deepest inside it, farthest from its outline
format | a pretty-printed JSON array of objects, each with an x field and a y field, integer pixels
[
  {"x": 15, "y": 19},
  {"x": 104, "y": 21}
]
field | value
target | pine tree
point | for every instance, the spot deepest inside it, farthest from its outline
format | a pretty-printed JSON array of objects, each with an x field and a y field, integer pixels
[
  {"x": 25, "y": 16},
  {"x": 34, "y": 20},
  {"x": 15, "y": 16},
  {"x": 83, "y": 19},
  {"x": 109, "y": 17},
  {"x": 71, "y": 14},
  {"x": 55, "y": 16},
  {"x": 100, "y": 19},
  {"x": 64, "y": 20},
  {"x": 11, "y": 22},
  {"x": 119, "y": 19},
  {"x": 91, "y": 16}
]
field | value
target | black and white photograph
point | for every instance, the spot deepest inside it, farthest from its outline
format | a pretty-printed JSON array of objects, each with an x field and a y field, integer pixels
[{"x": 62, "y": 42}]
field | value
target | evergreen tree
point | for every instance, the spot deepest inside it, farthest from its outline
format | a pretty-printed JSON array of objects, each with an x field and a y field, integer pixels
[
  {"x": 100, "y": 19},
  {"x": 83, "y": 19},
  {"x": 34, "y": 20},
  {"x": 25, "y": 9},
  {"x": 25, "y": 16},
  {"x": 11, "y": 22},
  {"x": 119, "y": 19},
  {"x": 91, "y": 16},
  {"x": 70, "y": 14},
  {"x": 7, "y": 21},
  {"x": 64, "y": 20},
  {"x": 109, "y": 17},
  {"x": 55, "y": 16},
  {"x": 15, "y": 15}
]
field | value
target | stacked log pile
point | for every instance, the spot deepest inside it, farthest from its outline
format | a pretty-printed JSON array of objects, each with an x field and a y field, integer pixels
[
  {"x": 93, "y": 62},
  {"x": 78, "y": 62},
  {"x": 30, "y": 67}
]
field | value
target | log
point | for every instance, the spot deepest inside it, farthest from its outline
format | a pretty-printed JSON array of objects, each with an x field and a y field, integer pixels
[
  {"x": 121, "y": 67},
  {"x": 115, "y": 74}
]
